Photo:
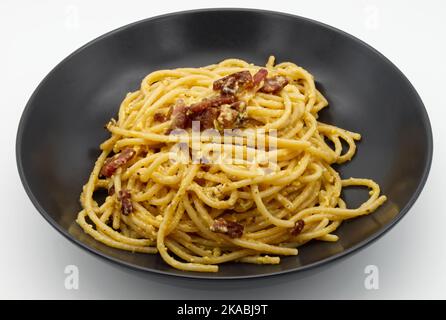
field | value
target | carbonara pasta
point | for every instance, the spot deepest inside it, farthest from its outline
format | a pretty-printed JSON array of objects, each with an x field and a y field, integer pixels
[{"x": 221, "y": 163}]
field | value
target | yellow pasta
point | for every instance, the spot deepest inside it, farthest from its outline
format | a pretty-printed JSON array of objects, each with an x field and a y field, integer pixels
[{"x": 254, "y": 186}]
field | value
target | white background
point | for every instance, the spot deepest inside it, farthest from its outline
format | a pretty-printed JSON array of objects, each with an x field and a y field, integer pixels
[{"x": 36, "y": 35}]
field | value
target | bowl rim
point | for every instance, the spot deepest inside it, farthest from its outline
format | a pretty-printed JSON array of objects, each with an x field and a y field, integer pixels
[{"x": 192, "y": 275}]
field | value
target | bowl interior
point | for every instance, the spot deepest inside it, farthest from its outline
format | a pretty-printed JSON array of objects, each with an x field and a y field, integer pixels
[{"x": 62, "y": 125}]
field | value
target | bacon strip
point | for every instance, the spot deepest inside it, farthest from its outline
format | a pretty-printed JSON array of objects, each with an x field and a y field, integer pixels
[
  {"x": 206, "y": 117},
  {"x": 259, "y": 77},
  {"x": 298, "y": 227},
  {"x": 179, "y": 116},
  {"x": 118, "y": 160},
  {"x": 232, "y": 229},
  {"x": 211, "y": 102},
  {"x": 228, "y": 116},
  {"x": 126, "y": 202},
  {"x": 206, "y": 111},
  {"x": 274, "y": 84},
  {"x": 232, "y": 83},
  {"x": 160, "y": 117}
]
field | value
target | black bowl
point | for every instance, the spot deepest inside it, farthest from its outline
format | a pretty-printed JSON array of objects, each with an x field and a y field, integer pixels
[{"x": 62, "y": 125}]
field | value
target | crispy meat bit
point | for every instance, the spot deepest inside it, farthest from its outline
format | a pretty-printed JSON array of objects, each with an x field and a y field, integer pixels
[
  {"x": 298, "y": 227},
  {"x": 200, "y": 181},
  {"x": 232, "y": 229},
  {"x": 274, "y": 84},
  {"x": 206, "y": 118},
  {"x": 143, "y": 151},
  {"x": 239, "y": 106},
  {"x": 210, "y": 102},
  {"x": 160, "y": 117},
  {"x": 206, "y": 112},
  {"x": 179, "y": 116},
  {"x": 234, "y": 116},
  {"x": 259, "y": 77},
  {"x": 205, "y": 167},
  {"x": 126, "y": 202},
  {"x": 118, "y": 160},
  {"x": 231, "y": 116},
  {"x": 233, "y": 83},
  {"x": 227, "y": 117}
]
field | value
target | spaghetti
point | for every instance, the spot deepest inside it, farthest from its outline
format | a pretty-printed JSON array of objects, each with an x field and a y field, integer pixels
[{"x": 199, "y": 214}]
